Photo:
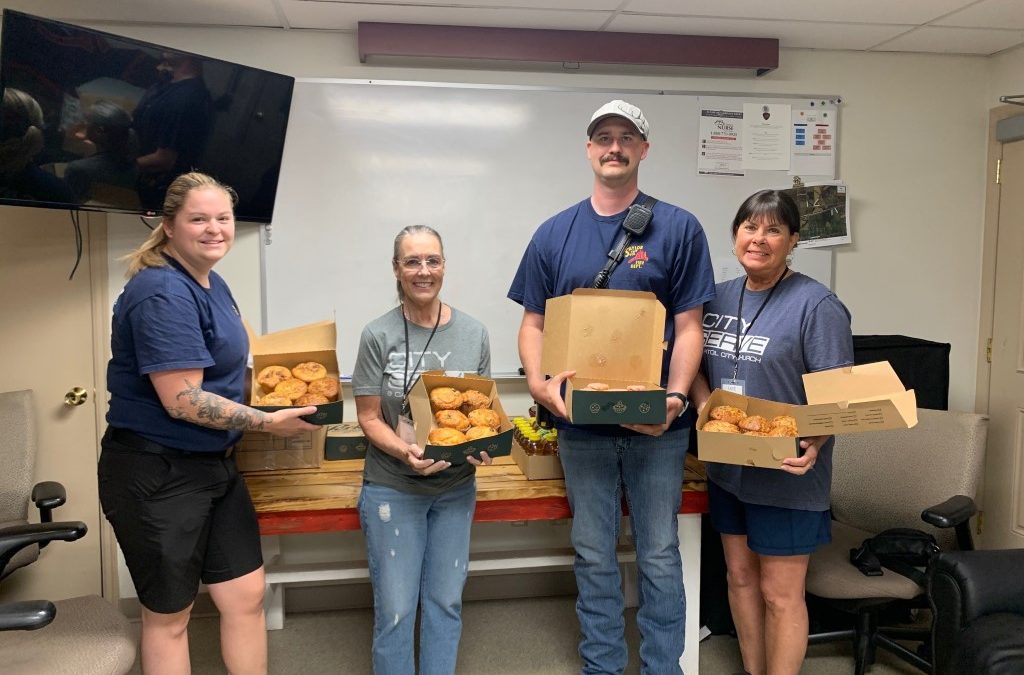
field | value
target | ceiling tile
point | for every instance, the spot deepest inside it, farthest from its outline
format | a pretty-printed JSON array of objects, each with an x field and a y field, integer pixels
[
  {"x": 561, "y": 5},
  {"x": 988, "y": 14},
  {"x": 345, "y": 16},
  {"x": 913, "y": 12},
  {"x": 192, "y": 12},
  {"x": 953, "y": 40},
  {"x": 789, "y": 33}
]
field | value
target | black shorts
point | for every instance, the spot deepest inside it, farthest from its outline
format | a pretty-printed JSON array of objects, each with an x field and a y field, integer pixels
[{"x": 178, "y": 517}]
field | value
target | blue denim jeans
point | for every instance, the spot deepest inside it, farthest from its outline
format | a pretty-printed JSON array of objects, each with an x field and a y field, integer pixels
[
  {"x": 417, "y": 549},
  {"x": 649, "y": 471}
]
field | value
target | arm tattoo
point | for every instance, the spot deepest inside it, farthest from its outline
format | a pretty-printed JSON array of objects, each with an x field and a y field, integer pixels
[{"x": 215, "y": 412}]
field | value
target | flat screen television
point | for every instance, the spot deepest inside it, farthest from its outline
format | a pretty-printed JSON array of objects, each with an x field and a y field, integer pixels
[{"x": 102, "y": 122}]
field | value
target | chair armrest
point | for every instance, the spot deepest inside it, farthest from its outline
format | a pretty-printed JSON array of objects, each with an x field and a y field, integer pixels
[
  {"x": 950, "y": 513},
  {"x": 17, "y": 537},
  {"x": 48, "y": 495},
  {"x": 982, "y": 582},
  {"x": 28, "y": 615}
]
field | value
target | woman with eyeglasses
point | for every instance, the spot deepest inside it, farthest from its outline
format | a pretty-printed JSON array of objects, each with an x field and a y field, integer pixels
[
  {"x": 416, "y": 513},
  {"x": 762, "y": 332}
]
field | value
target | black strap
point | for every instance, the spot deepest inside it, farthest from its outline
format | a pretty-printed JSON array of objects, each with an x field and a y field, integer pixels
[{"x": 636, "y": 221}]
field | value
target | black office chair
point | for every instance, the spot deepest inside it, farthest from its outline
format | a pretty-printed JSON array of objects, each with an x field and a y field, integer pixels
[
  {"x": 977, "y": 599},
  {"x": 923, "y": 478},
  {"x": 79, "y": 636}
]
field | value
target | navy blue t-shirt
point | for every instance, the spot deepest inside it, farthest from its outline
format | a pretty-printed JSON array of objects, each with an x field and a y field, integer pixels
[
  {"x": 805, "y": 328},
  {"x": 164, "y": 320},
  {"x": 670, "y": 260}
]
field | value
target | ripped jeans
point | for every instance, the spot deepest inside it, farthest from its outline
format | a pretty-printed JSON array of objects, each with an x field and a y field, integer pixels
[{"x": 418, "y": 550}]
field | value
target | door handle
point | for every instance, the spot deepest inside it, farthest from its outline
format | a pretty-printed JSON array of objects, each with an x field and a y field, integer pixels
[{"x": 77, "y": 396}]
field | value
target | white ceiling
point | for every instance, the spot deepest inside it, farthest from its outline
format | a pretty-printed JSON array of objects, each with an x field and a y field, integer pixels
[{"x": 982, "y": 27}]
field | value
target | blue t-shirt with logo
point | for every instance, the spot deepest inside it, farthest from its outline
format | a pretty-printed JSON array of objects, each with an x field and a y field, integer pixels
[
  {"x": 670, "y": 260},
  {"x": 803, "y": 329},
  {"x": 164, "y": 320}
]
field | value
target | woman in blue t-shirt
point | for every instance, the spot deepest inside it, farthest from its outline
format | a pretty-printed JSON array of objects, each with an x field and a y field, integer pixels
[
  {"x": 167, "y": 481},
  {"x": 762, "y": 332}
]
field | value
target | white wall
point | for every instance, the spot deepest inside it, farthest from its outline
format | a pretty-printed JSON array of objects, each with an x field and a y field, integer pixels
[
  {"x": 912, "y": 150},
  {"x": 1006, "y": 76}
]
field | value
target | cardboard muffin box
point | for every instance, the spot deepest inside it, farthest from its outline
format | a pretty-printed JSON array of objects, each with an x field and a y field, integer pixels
[
  {"x": 423, "y": 418},
  {"x": 290, "y": 347},
  {"x": 847, "y": 400},
  {"x": 609, "y": 336},
  {"x": 345, "y": 441}
]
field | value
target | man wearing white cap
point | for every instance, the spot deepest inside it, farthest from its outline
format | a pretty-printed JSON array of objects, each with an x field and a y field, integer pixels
[{"x": 669, "y": 258}]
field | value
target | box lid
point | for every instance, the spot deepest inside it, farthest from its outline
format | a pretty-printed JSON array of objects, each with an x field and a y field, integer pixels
[
  {"x": 313, "y": 337},
  {"x": 867, "y": 382},
  {"x": 605, "y": 334}
]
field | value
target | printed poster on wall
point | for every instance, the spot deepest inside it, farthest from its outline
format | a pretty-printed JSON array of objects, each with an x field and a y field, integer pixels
[
  {"x": 720, "y": 149},
  {"x": 766, "y": 136},
  {"x": 813, "y": 143}
]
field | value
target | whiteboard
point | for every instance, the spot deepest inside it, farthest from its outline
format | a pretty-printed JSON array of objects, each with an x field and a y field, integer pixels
[{"x": 482, "y": 165}]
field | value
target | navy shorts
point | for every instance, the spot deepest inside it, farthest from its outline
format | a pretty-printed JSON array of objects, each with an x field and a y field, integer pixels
[
  {"x": 770, "y": 530},
  {"x": 179, "y": 518}
]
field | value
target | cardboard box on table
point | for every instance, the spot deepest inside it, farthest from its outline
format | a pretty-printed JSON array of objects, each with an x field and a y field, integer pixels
[
  {"x": 609, "y": 336},
  {"x": 423, "y": 418},
  {"x": 345, "y": 441},
  {"x": 846, "y": 400},
  {"x": 537, "y": 467},
  {"x": 260, "y": 450}
]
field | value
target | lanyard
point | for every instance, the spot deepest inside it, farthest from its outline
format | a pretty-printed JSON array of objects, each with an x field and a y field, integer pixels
[
  {"x": 739, "y": 317},
  {"x": 406, "y": 385}
]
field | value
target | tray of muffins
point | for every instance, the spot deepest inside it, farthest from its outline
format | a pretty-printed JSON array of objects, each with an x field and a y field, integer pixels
[
  {"x": 458, "y": 417},
  {"x": 737, "y": 429},
  {"x": 297, "y": 367}
]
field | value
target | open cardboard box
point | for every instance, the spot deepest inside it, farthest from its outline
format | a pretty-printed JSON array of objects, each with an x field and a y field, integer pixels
[
  {"x": 423, "y": 418},
  {"x": 290, "y": 347},
  {"x": 609, "y": 336},
  {"x": 847, "y": 400}
]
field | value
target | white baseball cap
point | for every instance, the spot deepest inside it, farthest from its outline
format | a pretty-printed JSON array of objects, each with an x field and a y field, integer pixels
[{"x": 626, "y": 111}]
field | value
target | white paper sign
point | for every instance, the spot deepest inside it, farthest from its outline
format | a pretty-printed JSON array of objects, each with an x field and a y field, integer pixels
[
  {"x": 720, "y": 149},
  {"x": 813, "y": 143},
  {"x": 766, "y": 136}
]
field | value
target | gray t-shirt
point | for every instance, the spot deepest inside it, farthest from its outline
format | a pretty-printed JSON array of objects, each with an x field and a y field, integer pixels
[
  {"x": 805, "y": 328},
  {"x": 459, "y": 346}
]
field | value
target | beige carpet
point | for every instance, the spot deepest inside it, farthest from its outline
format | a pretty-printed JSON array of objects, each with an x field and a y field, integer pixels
[{"x": 535, "y": 636}]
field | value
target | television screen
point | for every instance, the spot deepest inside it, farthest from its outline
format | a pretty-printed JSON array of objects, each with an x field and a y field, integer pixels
[{"x": 101, "y": 122}]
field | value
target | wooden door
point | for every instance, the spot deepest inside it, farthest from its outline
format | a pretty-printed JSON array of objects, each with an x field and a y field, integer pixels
[
  {"x": 1004, "y": 465},
  {"x": 48, "y": 344}
]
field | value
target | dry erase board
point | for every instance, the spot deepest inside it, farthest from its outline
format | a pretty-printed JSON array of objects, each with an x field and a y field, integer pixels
[{"x": 482, "y": 165}]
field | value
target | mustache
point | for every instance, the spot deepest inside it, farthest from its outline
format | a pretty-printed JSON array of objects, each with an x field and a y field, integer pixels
[{"x": 615, "y": 157}]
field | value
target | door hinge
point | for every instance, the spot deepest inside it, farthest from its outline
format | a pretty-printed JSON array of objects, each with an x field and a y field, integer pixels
[
  {"x": 981, "y": 522},
  {"x": 999, "y": 168},
  {"x": 988, "y": 350}
]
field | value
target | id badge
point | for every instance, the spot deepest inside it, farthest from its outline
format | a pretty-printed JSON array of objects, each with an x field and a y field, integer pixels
[
  {"x": 733, "y": 385},
  {"x": 405, "y": 429}
]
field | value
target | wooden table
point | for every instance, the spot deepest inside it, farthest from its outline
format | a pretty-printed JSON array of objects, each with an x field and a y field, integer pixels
[{"x": 324, "y": 500}]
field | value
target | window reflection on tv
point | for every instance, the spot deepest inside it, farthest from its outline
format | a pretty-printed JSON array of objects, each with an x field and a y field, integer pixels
[{"x": 100, "y": 122}]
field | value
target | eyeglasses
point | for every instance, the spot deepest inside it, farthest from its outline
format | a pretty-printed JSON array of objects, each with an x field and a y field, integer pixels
[
  {"x": 625, "y": 140},
  {"x": 433, "y": 262}
]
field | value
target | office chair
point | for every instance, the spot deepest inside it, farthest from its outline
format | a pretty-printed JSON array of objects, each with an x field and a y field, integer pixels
[
  {"x": 18, "y": 457},
  {"x": 79, "y": 636},
  {"x": 977, "y": 599},
  {"x": 924, "y": 478}
]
